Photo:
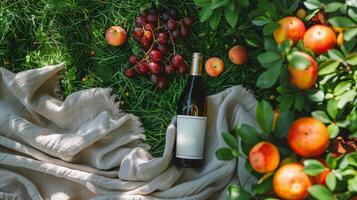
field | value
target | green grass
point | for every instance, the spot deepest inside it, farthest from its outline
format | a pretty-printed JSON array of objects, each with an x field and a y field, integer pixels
[{"x": 36, "y": 33}]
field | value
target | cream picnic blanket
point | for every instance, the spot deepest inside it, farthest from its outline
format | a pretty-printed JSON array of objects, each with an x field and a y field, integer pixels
[{"x": 86, "y": 148}]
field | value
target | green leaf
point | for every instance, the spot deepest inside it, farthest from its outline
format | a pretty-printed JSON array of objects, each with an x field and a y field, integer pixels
[
  {"x": 335, "y": 55},
  {"x": 219, "y": 3},
  {"x": 224, "y": 154},
  {"x": 342, "y": 87},
  {"x": 268, "y": 78},
  {"x": 332, "y": 7},
  {"x": 298, "y": 60},
  {"x": 253, "y": 39},
  {"x": 294, "y": 5},
  {"x": 265, "y": 116},
  {"x": 310, "y": 16},
  {"x": 268, "y": 57},
  {"x": 352, "y": 159},
  {"x": 331, "y": 161},
  {"x": 352, "y": 184},
  {"x": 286, "y": 45},
  {"x": 236, "y": 192},
  {"x": 332, "y": 108},
  {"x": 351, "y": 3},
  {"x": 333, "y": 130},
  {"x": 202, "y": 3},
  {"x": 283, "y": 123},
  {"x": 342, "y": 22},
  {"x": 248, "y": 134},
  {"x": 244, "y": 3},
  {"x": 268, "y": 7},
  {"x": 269, "y": 44},
  {"x": 231, "y": 16},
  {"x": 312, "y": 4},
  {"x": 350, "y": 34},
  {"x": 346, "y": 97},
  {"x": 261, "y": 21},
  {"x": 313, "y": 167},
  {"x": 205, "y": 13},
  {"x": 352, "y": 12},
  {"x": 321, "y": 115},
  {"x": 215, "y": 19},
  {"x": 317, "y": 96},
  {"x": 331, "y": 181},
  {"x": 348, "y": 46},
  {"x": 352, "y": 59},
  {"x": 328, "y": 67},
  {"x": 286, "y": 102},
  {"x": 230, "y": 140},
  {"x": 270, "y": 28},
  {"x": 320, "y": 192},
  {"x": 263, "y": 187},
  {"x": 299, "y": 102}
]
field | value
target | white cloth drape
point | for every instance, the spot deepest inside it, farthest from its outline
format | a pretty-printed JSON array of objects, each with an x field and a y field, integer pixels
[{"x": 86, "y": 148}]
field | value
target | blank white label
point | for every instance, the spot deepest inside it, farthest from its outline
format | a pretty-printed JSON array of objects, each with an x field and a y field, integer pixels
[{"x": 190, "y": 136}]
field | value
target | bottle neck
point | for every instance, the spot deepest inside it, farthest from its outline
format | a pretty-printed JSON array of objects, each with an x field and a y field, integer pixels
[{"x": 196, "y": 66}]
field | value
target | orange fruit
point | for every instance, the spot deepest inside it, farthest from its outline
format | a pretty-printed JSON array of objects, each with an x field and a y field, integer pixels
[
  {"x": 304, "y": 79},
  {"x": 264, "y": 157},
  {"x": 115, "y": 35},
  {"x": 340, "y": 39},
  {"x": 214, "y": 66},
  {"x": 308, "y": 137},
  {"x": 290, "y": 182},
  {"x": 320, "y": 38},
  {"x": 290, "y": 28},
  {"x": 238, "y": 55},
  {"x": 301, "y": 13}
]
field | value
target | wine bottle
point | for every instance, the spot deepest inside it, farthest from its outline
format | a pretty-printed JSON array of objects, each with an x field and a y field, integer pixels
[{"x": 191, "y": 119}]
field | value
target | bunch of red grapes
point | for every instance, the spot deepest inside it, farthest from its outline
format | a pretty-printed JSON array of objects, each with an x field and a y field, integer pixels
[{"x": 157, "y": 33}]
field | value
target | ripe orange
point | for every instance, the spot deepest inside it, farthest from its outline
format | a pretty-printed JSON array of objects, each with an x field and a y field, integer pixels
[
  {"x": 290, "y": 28},
  {"x": 301, "y": 13},
  {"x": 290, "y": 182},
  {"x": 320, "y": 38},
  {"x": 238, "y": 55},
  {"x": 115, "y": 35},
  {"x": 308, "y": 137},
  {"x": 304, "y": 79},
  {"x": 214, "y": 66},
  {"x": 264, "y": 157},
  {"x": 340, "y": 39}
]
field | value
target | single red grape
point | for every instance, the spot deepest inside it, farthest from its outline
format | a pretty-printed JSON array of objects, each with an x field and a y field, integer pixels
[
  {"x": 188, "y": 21},
  {"x": 161, "y": 83},
  {"x": 182, "y": 68},
  {"x": 170, "y": 69},
  {"x": 129, "y": 73},
  {"x": 177, "y": 60},
  {"x": 155, "y": 55},
  {"x": 162, "y": 37},
  {"x": 138, "y": 32},
  {"x": 171, "y": 24},
  {"x": 162, "y": 48},
  {"x": 133, "y": 59},
  {"x": 152, "y": 18},
  {"x": 154, "y": 67},
  {"x": 143, "y": 67}
]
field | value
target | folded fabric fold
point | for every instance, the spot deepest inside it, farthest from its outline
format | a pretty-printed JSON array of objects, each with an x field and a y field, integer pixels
[{"x": 84, "y": 147}]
